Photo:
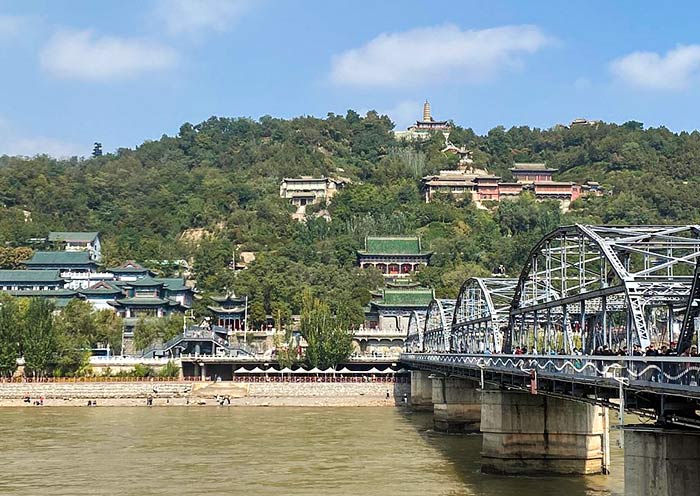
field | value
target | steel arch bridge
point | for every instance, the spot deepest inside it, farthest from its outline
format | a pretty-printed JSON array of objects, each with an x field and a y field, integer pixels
[
  {"x": 438, "y": 323},
  {"x": 416, "y": 328},
  {"x": 481, "y": 314},
  {"x": 584, "y": 286}
]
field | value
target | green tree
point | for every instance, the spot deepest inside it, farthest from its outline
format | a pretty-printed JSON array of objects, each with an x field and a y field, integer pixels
[
  {"x": 11, "y": 323},
  {"x": 257, "y": 315},
  {"x": 14, "y": 258},
  {"x": 41, "y": 345},
  {"x": 108, "y": 329},
  {"x": 152, "y": 331},
  {"x": 329, "y": 341}
]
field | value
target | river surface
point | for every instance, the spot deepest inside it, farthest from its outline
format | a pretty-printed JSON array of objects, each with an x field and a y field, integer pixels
[{"x": 254, "y": 451}]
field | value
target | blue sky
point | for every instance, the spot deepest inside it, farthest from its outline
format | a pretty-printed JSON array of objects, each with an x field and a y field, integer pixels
[{"x": 121, "y": 72}]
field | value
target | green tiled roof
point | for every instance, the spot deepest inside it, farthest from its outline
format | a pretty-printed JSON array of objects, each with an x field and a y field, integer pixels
[
  {"x": 100, "y": 291},
  {"x": 406, "y": 297},
  {"x": 145, "y": 301},
  {"x": 403, "y": 283},
  {"x": 234, "y": 310},
  {"x": 60, "y": 258},
  {"x": 29, "y": 276},
  {"x": 129, "y": 267},
  {"x": 48, "y": 293},
  {"x": 72, "y": 236},
  {"x": 229, "y": 298},
  {"x": 404, "y": 245},
  {"x": 147, "y": 281},
  {"x": 531, "y": 166},
  {"x": 173, "y": 283}
]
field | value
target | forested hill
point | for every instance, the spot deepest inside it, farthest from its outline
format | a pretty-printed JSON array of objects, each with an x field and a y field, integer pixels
[{"x": 222, "y": 177}]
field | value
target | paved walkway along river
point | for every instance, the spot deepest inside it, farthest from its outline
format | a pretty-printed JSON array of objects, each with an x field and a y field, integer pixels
[{"x": 256, "y": 451}]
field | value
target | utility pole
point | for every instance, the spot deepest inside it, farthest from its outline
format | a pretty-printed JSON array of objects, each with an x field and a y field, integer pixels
[{"x": 245, "y": 320}]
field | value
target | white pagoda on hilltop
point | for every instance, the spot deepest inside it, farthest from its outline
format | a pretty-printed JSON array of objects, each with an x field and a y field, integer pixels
[{"x": 423, "y": 128}]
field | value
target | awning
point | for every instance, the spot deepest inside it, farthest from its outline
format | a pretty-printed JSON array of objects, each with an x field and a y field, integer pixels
[{"x": 375, "y": 370}]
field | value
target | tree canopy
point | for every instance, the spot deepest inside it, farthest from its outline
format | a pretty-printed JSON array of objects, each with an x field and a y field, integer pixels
[{"x": 213, "y": 189}]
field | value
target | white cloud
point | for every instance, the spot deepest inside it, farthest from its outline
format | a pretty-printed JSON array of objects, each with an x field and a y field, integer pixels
[
  {"x": 84, "y": 56},
  {"x": 192, "y": 16},
  {"x": 11, "y": 25},
  {"x": 28, "y": 147},
  {"x": 402, "y": 114},
  {"x": 436, "y": 53},
  {"x": 405, "y": 113},
  {"x": 675, "y": 70},
  {"x": 12, "y": 142}
]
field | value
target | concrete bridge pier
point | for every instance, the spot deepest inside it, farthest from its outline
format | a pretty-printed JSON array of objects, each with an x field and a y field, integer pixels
[
  {"x": 421, "y": 390},
  {"x": 661, "y": 462},
  {"x": 530, "y": 434},
  {"x": 456, "y": 405}
]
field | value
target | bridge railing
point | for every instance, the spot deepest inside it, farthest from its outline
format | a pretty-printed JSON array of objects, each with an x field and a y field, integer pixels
[{"x": 677, "y": 370}]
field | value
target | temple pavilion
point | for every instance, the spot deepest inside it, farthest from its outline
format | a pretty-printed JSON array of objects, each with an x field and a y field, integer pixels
[
  {"x": 393, "y": 256},
  {"x": 387, "y": 316},
  {"x": 229, "y": 312},
  {"x": 73, "y": 262},
  {"x": 425, "y": 127},
  {"x": 390, "y": 309},
  {"x": 130, "y": 271},
  {"x": 150, "y": 297}
]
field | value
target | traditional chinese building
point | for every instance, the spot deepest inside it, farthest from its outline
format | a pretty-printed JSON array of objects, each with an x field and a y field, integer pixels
[
  {"x": 423, "y": 129},
  {"x": 130, "y": 271},
  {"x": 64, "y": 261},
  {"x": 34, "y": 280},
  {"x": 77, "y": 267},
  {"x": 307, "y": 190},
  {"x": 387, "y": 316},
  {"x": 531, "y": 172},
  {"x": 77, "y": 241},
  {"x": 149, "y": 297},
  {"x": 393, "y": 256},
  {"x": 535, "y": 178},
  {"x": 390, "y": 309},
  {"x": 461, "y": 183},
  {"x": 59, "y": 297},
  {"x": 101, "y": 295},
  {"x": 229, "y": 312}
]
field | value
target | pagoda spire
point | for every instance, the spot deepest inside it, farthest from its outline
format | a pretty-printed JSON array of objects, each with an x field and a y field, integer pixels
[{"x": 426, "y": 112}]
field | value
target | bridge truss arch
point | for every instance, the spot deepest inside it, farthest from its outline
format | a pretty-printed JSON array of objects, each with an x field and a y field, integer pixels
[
  {"x": 481, "y": 314},
  {"x": 416, "y": 328},
  {"x": 584, "y": 286},
  {"x": 438, "y": 324}
]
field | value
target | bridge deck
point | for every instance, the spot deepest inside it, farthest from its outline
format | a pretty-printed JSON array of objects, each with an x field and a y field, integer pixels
[{"x": 650, "y": 385}]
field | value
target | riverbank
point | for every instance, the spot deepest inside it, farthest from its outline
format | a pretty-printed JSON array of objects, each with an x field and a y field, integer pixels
[{"x": 165, "y": 394}]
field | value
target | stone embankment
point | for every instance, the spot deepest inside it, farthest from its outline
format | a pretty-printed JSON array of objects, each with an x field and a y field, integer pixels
[
  {"x": 92, "y": 390},
  {"x": 326, "y": 389},
  {"x": 198, "y": 393}
]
